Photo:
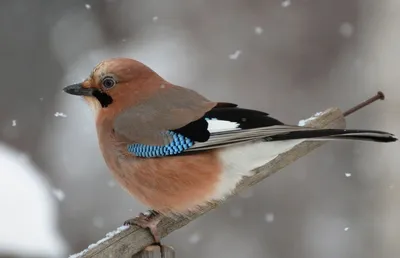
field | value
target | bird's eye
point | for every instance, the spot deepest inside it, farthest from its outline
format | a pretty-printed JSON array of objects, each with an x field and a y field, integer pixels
[{"x": 108, "y": 82}]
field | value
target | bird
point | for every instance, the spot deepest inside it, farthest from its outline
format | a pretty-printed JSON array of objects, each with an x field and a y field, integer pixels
[{"x": 175, "y": 150}]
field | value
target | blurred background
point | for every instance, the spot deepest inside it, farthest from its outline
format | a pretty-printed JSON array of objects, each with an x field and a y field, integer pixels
[{"x": 290, "y": 58}]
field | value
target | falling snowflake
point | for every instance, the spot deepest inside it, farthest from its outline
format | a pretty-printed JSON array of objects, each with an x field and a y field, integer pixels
[
  {"x": 258, "y": 30},
  {"x": 14, "y": 123},
  {"x": 59, "y": 114},
  {"x": 88, "y": 6},
  {"x": 98, "y": 222},
  {"x": 269, "y": 217},
  {"x": 347, "y": 174},
  {"x": 346, "y": 228},
  {"x": 111, "y": 183},
  {"x": 155, "y": 18},
  {"x": 286, "y": 3},
  {"x": 59, "y": 194},
  {"x": 194, "y": 238},
  {"x": 235, "y": 55},
  {"x": 346, "y": 30}
]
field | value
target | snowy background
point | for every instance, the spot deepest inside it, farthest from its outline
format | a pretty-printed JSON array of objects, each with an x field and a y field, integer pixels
[{"x": 289, "y": 58}]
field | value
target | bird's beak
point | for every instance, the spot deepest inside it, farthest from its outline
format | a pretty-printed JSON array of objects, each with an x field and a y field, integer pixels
[{"x": 78, "y": 89}]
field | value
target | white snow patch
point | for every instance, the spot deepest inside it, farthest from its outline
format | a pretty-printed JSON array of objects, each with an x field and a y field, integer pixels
[
  {"x": 258, "y": 30},
  {"x": 147, "y": 213},
  {"x": 269, "y": 217},
  {"x": 286, "y": 3},
  {"x": 235, "y": 55},
  {"x": 194, "y": 238},
  {"x": 111, "y": 183},
  {"x": 305, "y": 121},
  {"x": 108, "y": 236},
  {"x": 59, "y": 194},
  {"x": 60, "y": 114},
  {"x": 28, "y": 210}
]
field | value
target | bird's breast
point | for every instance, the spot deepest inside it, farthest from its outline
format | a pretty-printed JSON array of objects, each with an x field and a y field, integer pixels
[{"x": 174, "y": 184}]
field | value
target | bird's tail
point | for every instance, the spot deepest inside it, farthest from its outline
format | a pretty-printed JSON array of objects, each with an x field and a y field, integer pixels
[
  {"x": 335, "y": 134},
  {"x": 288, "y": 132}
]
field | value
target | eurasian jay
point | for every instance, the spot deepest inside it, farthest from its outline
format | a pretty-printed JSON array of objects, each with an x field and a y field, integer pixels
[{"x": 175, "y": 150}]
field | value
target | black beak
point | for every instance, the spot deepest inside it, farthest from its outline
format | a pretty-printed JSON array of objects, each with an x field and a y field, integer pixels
[{"x": 77, "y": 89}]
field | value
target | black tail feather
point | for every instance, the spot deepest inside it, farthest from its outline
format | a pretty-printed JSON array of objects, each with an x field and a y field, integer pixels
[{"x": 335, "y": 134}]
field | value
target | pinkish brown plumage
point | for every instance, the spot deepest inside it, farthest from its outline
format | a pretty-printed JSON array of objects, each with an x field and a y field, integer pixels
[
  {"x": 161, "y": 147},
  {"x": 187, "y": 181},
  {"x": 151, "y": 179}
]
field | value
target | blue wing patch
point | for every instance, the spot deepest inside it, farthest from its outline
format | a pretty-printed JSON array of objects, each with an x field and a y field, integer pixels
[{"x": 178, "y": 145}]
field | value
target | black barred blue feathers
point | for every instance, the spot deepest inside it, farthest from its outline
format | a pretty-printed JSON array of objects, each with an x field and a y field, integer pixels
[{"x": 178, "y": 145}]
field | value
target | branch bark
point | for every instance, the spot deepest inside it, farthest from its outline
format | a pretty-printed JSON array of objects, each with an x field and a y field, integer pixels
[{"x": 128, "y": 241}]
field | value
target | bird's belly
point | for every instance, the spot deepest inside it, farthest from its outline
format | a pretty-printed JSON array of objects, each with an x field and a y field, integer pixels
[
  {"x": 175, "y": 184},
  {"x": 241, "y": 160}
]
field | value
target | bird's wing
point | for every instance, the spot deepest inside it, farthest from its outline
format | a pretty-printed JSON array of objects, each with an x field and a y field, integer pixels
[
  {"x": 223, "y": 125},
  {"x": 226, "y": 125},
  {"x": 149, "y": 121},
  {"x": 233, "y": 125}
]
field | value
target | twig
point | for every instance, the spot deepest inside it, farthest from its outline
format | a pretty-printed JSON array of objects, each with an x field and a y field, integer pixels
[
  {"x": 128, "y": 241},
  {"x": 378, "y": 96}
]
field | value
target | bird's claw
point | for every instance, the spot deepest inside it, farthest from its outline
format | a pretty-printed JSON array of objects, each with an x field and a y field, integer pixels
[{"x": 148, "y": 220}]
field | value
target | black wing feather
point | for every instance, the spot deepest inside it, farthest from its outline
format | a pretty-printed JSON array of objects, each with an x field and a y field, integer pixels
[
  {"x": 225, "y": 104},
  {"x": 196, "y": 130},
  {"x": 246, "y": 118}
]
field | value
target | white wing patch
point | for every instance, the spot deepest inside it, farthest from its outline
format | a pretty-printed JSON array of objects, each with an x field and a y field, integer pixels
[{"x": 215, "y": 125}]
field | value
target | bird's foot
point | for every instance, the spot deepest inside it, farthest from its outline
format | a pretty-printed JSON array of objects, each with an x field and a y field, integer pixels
[{"x": 149, "y": 220}]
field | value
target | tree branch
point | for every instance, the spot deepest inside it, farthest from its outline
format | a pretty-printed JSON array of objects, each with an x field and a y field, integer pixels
[{"x": 129, "y": 240}]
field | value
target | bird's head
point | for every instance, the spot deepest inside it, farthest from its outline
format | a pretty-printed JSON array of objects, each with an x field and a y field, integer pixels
[{"x": 117, "y": 82}]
